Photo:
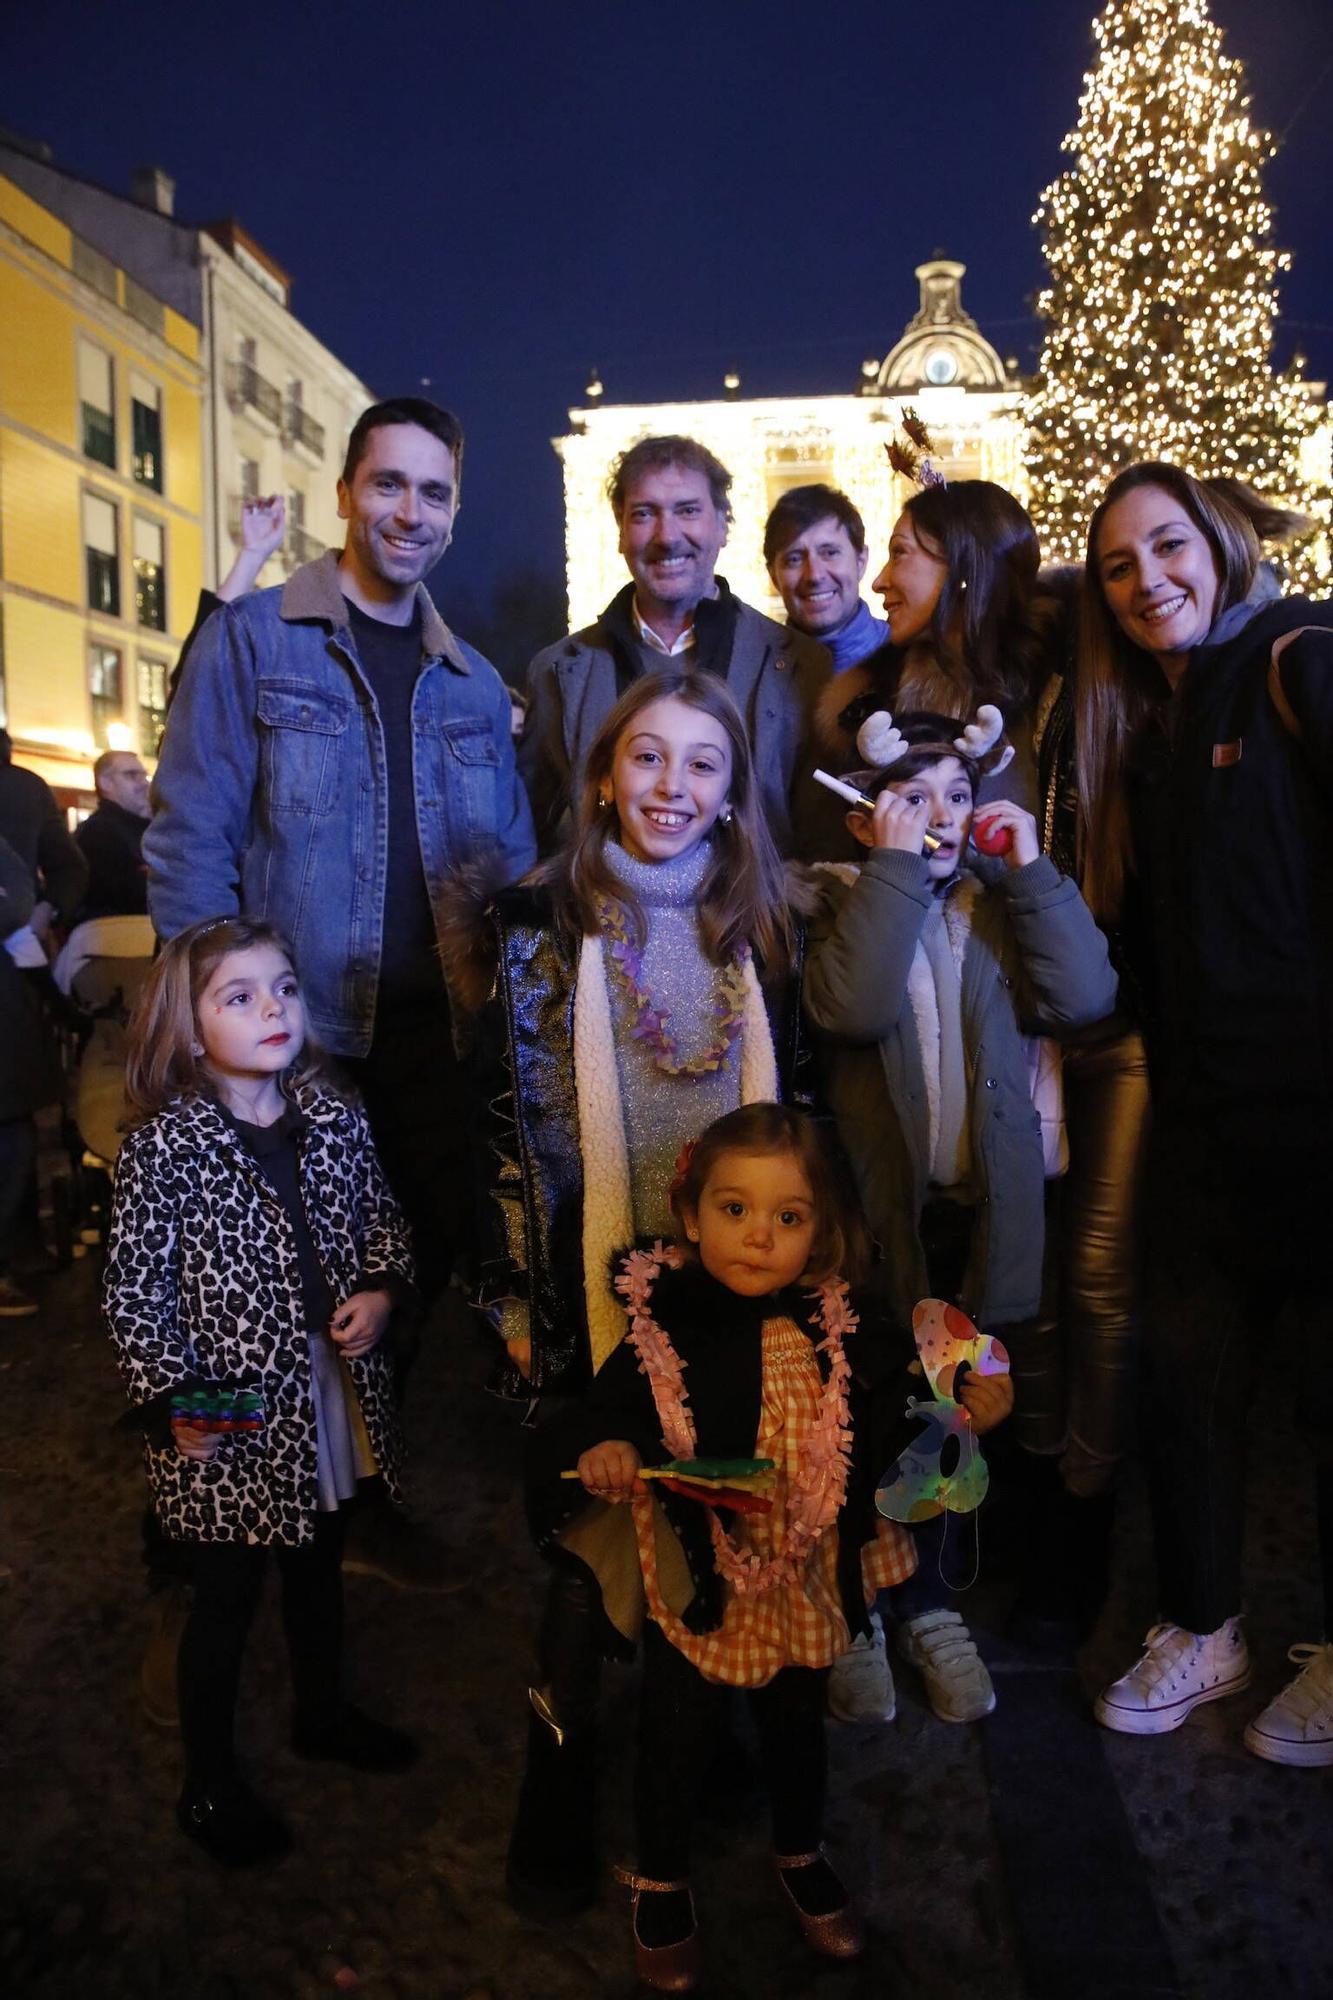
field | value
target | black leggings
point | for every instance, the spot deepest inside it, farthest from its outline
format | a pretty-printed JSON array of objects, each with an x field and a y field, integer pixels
[
  {"x": 679, "y": 1716},
  {"x": 228, "y": 1577}
]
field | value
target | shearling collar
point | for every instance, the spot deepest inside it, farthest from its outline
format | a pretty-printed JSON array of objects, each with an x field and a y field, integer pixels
[{"x": 313, "y": 591}]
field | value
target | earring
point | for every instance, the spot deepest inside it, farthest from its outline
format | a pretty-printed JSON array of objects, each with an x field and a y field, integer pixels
[
  {"x": 692, "y": 1232},
  {"x": 725, "y": 815},
  {"x": 602, "y": 803}
]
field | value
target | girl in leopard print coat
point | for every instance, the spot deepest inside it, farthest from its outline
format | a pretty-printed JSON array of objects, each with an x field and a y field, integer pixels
[{"x": 254, "y": 1247}]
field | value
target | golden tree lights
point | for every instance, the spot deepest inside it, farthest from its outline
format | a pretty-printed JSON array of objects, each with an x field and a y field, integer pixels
[{"x": 1160, "y": 307}]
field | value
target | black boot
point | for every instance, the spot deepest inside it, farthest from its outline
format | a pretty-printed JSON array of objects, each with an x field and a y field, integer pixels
[{"x": 551, "y": 1869}]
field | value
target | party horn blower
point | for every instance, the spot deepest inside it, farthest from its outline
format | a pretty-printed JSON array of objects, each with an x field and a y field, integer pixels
[
  {"x": 738, "y": 1483},
  {"x": 859, "y": 799}
]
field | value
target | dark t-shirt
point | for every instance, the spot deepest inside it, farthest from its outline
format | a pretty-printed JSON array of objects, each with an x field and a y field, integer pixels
[{"x": 390, "y": 656}]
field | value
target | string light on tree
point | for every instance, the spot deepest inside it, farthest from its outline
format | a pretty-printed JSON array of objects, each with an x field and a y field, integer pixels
[{"x": 1162, "y": 296}]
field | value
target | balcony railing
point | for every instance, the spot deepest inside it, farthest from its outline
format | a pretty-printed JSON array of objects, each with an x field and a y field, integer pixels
[
  {"x": 249, "y": 388},
  {"x": 301, "y": 547},
  {"x": 302, "y": 429}
]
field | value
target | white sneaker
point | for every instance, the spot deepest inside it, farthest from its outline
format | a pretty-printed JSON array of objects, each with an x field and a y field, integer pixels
[
  {"x": 860, "y": 1687},
  {"x": 958, "y": 1686},
  {"x": 1177, "y": 1671},
  {"x": 1297, "y": 1725}
]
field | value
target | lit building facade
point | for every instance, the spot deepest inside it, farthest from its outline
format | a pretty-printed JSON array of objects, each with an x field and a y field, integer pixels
[
  {"x": 943, "y": 367},
  {"x": 101, "y": 494},
  {"x": 280, "y": 405}
]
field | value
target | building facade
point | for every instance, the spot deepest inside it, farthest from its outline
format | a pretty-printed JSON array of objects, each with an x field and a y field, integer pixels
[
  {"x": 152, "y": 376},
  {"x": 101, "y": 494},
  {"x": 280, "y": 405},
  {"x": 943, "y": 367}
]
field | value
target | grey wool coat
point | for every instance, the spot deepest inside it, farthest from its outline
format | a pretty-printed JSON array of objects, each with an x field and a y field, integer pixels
[
  {"x": 1032, "y": 963},
  {"x": 773, "y": 674}
]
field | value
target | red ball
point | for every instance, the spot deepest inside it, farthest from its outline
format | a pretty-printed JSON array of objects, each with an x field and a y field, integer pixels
[{"x": 992, "y": 837}]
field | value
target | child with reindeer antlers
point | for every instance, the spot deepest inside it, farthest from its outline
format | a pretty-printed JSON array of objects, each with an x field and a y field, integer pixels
[{"x": 928, "y": 970}]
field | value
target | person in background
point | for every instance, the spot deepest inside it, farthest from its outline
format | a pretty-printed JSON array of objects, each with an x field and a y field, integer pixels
[
  {"x": 263, "y": 526},
  {"x": 111, "y": 839},
  {"x": 815, "y": 550},
  {"x": 34, "y": 826},
  {"x": 669, "y": 498},
  {"x": 20, "y": 1069}
]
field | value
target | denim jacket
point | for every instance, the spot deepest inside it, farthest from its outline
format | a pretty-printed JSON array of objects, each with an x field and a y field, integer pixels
[{"x": 271, "y": 794}]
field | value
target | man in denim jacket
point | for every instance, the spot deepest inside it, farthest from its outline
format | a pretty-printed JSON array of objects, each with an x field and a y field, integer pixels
[{"x": 333, "y": 753}]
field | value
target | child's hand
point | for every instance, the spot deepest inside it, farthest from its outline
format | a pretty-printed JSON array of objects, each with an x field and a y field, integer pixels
[
  {"x": 988, "y": 1399},
  {"x": 359, "y": 1321},
  {"x": 610, "y": 1471},
  {"x": 896, "y": 823},
  {"x": 1024, "y": 845},
  {"x": 192, "y": 1442}
]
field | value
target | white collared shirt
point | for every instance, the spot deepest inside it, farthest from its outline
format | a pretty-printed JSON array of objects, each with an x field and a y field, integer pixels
[{"x": 649, "y": 638}]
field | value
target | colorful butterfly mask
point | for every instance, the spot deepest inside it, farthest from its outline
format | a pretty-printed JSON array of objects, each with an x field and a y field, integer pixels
[{"x": 942, "y": 1469}]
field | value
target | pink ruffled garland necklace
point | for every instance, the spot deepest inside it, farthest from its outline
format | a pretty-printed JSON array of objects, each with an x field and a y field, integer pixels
[{"x": 823, "y": 1461}]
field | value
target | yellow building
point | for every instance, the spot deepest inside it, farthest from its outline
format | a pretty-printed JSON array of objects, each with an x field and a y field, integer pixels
[
  {"x": 943, "y": 366},
  {"x": 101, "y": 496}
]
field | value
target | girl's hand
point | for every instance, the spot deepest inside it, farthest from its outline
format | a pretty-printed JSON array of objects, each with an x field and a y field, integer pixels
[
  {"x": 988, "y": 1400},
  {"x": 1024, "y": 845},
  {"x": 610, "y": 1471},
  {"x": 896, "y": 823},
  {"x": 192, "y": 1442},
  {"x": 359, "y": 1321}
]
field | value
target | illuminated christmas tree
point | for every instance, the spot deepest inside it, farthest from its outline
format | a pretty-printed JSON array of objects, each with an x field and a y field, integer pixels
[{"x": 1162, "y": 295}]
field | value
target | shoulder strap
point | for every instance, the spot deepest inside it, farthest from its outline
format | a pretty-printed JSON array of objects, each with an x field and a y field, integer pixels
[{"x": 1291, "y": 722}]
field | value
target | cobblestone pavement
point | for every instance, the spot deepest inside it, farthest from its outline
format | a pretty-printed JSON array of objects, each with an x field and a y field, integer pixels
[{"x": 394, "y": 1891}]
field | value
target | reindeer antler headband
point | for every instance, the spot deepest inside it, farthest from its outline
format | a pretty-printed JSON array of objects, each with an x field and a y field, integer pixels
[{"x": 880, "y": 741}]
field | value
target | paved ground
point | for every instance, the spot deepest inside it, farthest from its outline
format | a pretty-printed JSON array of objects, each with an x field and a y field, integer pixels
[{"x": 1032, "y": 1858}]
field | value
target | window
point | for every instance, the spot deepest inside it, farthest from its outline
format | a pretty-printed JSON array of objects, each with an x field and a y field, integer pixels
[
  {"x": 150, "y": 576},
  {"x": 4, "y": 697},
  {"x": 153, "y": 678},
  {"x": 146, "y": 431},
  {"x": 97, "y": 398},
  {"x": 105, "y": 693},
  {"x": 101, "y": 545},
  {"x": 249, "y": 479}
]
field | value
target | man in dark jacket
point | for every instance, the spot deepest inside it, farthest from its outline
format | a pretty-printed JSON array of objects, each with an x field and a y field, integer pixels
[
  {"x": 34, "y": 826},
  {"x": 20, "y": 1069},
  {"x": 111, "y": 838},
  {"x": 669, "y": 497}
]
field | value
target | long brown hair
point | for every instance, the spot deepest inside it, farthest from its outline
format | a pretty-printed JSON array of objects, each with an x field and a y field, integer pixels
[
  {"x": 743, "y": 895},
  {"x": 980, "y": 632},
  {"x": 1118, "y": 685},
  {"x": 163, "y": 1032},
  {"x": 841, "y": 1243}
]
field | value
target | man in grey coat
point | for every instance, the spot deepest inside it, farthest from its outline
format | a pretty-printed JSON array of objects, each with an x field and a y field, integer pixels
[{"x": 669, "y": 498}]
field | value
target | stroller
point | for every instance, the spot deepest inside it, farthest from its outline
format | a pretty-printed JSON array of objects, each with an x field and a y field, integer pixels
[{"x": 100, "y": 971}]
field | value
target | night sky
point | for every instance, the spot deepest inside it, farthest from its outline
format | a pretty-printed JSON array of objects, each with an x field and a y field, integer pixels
[{"x": 496, "y": 196}]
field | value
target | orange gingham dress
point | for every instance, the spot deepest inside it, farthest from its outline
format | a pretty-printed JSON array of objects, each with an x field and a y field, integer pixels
[{"x": 792, "y": 1624}]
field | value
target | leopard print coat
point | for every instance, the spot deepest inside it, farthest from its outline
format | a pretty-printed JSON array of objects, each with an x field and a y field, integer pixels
[{"x": 202, "y": 1281}]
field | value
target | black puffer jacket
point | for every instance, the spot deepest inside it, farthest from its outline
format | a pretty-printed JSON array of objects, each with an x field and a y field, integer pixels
[{"x": 1233, "y": 839}]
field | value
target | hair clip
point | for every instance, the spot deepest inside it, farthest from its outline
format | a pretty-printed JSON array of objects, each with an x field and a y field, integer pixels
[
  {"x": 912, "y": 459},
  {"x": 683, "y": 1158}
]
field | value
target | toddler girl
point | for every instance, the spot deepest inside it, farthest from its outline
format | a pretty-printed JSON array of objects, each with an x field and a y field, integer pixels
[
  {"x": 731, "y": 1354},
  {"x": 255, "y": 1256}
]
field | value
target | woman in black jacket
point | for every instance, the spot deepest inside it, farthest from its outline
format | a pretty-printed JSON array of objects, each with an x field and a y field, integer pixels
[{"x": 1204, "y": 720}]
